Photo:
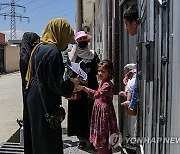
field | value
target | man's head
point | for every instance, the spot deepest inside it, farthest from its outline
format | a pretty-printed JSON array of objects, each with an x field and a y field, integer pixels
[{"x": 130, "y": 19}]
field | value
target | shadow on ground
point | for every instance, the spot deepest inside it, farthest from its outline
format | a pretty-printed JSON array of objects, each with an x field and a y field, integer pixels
[{"x": 69, "y": 144}]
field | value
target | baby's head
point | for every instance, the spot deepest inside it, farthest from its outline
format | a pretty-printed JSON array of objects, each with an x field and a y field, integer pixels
[
  {"x": 131, "y": 66},
  {"x": 105, "y": 70}
]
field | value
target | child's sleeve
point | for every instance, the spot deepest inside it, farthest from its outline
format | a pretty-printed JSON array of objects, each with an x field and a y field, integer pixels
[
  {"x": 91, "y": 93},
  {"x": 103, "y": 90}
]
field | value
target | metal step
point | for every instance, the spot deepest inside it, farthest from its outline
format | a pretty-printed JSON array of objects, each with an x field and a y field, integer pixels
[
  {"x": 7, "y": 152},
  {"x": 11, "y": 148}
]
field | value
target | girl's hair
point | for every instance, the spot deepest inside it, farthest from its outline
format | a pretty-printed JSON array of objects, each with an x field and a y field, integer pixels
[{"x": 108, "y": 65}]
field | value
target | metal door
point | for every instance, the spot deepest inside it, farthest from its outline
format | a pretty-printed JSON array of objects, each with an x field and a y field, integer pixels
[
  {"x": 127, "y": 55},
  {"x": 153, "y": 75}
]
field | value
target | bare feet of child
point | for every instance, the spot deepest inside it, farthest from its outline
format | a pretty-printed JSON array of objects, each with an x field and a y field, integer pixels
[
  {"x": 122, "y": 93},
  {"x": 126, "y": 103}
]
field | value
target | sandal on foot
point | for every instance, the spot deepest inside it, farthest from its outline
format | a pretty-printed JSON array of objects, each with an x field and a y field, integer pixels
[
  {"x": 81, "y": 144},
  {"x": 93, "y": 148}
]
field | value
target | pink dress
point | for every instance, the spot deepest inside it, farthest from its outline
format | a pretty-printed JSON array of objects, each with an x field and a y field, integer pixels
[{"x": 103, "y": 119}]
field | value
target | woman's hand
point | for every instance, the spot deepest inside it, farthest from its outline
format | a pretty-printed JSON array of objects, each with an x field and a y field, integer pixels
[
  {"x": 78, "y": 88},
  {"x": 83, "y": 81},
  {"x": 76, "y": 81}
]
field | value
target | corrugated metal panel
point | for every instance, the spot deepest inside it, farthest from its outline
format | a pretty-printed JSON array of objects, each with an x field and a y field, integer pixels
[
  {"x": 155, "y": 74},
  {"x": 175, "y": 123}
]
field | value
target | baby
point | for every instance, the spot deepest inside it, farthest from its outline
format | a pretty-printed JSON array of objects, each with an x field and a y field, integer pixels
[{"x": 129, "y": 82}]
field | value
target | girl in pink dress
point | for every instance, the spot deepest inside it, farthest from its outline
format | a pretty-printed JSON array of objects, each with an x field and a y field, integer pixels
[{"x": 103, "y": 119}]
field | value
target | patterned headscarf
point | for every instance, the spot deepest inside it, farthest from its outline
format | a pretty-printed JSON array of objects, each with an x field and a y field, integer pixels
[{"x": 58, "y": 32}]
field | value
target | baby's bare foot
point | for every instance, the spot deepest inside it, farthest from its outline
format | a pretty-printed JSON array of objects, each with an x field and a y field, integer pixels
[{"x": 126, "y": 103}]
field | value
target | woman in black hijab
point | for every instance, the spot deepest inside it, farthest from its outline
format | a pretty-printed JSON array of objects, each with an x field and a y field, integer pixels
[{"x": 29, "y": 40}]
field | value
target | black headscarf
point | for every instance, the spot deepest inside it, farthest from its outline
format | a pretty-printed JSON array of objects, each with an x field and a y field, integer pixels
[{"x": 27, "y": 44}]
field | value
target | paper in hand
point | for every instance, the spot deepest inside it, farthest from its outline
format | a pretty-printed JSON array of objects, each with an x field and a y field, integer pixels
[{"x": 76, "y": 68}]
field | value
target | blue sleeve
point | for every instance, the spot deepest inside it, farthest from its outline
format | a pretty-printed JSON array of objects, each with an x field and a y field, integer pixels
[{"x": 134, "y": 98}]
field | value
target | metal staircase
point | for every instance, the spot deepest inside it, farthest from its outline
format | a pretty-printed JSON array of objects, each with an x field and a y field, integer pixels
[
  {"x": 15, "y": 144},
  {"x": 11, "y": 148}
]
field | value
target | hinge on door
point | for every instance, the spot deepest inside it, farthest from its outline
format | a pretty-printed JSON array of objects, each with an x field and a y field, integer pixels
[
  {"x": 164, "y": 60},
  {"x": 139, "y": 21},
  {"x": 139, "y": 75},
  {"x": 164, "y": 4},
  {"x": 147, "y": 45},
  {"x": 162, "y": 119}
]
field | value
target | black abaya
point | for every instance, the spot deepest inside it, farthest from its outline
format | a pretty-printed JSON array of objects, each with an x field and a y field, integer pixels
[
  {"x": 50, "y": 67},
  {"x": 79, "y": 111}
]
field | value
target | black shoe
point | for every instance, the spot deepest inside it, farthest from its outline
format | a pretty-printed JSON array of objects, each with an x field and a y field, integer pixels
[
  {"x": 81, "y": 144},
  {"x": 93, "y": 148}
]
